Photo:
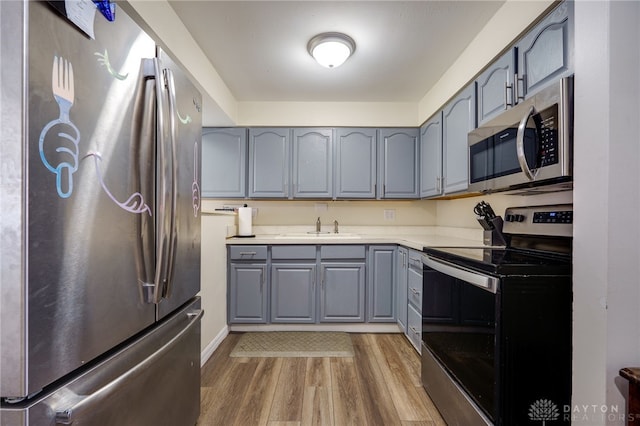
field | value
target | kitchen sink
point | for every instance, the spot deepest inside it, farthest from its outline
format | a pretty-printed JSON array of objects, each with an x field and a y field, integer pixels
[{"x": 309, "y": 235}]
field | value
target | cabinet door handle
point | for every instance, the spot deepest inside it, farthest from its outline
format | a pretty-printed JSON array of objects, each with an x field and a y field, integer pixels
[
  {"x": 508, "y": 104},
  {"x": 415, "y": 291},
  {"x": 415, "y": 330},
  {"x": 517, "y": 97}
]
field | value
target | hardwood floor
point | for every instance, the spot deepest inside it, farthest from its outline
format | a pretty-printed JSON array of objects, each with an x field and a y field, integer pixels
[{"x": 380, "y": 385}]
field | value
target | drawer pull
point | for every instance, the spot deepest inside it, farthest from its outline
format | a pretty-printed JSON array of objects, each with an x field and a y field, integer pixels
[
  {"x": 248, "y": 253},
  {"x": 415, "y": 331},
  {"x": 415, "y": 291}
]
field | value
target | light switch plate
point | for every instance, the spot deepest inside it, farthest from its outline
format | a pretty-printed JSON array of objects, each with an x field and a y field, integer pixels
[
  {"x": 389, "y": 215},
  {"x": 321, "y": 207}
]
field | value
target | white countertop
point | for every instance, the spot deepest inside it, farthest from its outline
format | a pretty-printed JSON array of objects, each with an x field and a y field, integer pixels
[{"x": 410, "y": 240}]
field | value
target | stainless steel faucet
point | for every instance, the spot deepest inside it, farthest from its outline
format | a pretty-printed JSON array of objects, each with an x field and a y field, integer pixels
[
  {"x": 335, "y": 226},
  {"x": 318, "y": 225}
]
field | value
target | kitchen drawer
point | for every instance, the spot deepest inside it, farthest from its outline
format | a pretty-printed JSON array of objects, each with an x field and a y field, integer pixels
[
  {"x": 414, "y": 327},
  {"x": 341, "y": 252},
  {"x": 293, "y": 252},
  {"x": 248, "y": 252},
  {"x": 415, "y": 259},
  {"x": 414, "y": 288}
]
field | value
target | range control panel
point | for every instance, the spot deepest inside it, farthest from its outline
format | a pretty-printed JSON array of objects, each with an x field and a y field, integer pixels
[
  {"x": 552, "y": 220},
  {"x": 564, "y": 216}
]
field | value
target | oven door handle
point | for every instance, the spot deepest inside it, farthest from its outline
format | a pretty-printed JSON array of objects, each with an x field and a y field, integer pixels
[{"x": 485, "y": 282}]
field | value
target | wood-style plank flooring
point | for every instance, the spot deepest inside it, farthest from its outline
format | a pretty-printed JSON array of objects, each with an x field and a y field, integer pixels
[{"x": 380, "y": 385}]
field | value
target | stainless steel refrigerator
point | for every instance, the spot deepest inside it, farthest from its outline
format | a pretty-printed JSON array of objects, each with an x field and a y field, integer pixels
[{"x": 100, "y": 222}]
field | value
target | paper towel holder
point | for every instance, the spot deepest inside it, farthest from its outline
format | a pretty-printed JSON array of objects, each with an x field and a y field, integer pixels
[{"x": 246, "y": 235}]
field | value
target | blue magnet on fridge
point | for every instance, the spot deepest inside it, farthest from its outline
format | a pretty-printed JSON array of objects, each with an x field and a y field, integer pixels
[{"x": 107, "y": 8}]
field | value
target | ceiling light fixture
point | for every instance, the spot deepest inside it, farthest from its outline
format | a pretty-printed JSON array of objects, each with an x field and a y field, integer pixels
[{"x": 331, "y": 49}]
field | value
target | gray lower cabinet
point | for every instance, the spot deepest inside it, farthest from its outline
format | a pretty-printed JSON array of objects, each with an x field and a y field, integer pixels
[
  {"x": 342, "y": 291},
  {"x": 293, "y": 289},
  {"x": 312, "y": 163},
  {"x": 545, "y": 53},
  {"x": 248, "y": 293},
  {"x": 224, "y": 162},
  {"x": 414, "y": 298},
  {"x": 402, "y": 264},
  {"x": 381, "y": 300},
  {"x": 414, "y": 328},
  {"x": 398, "y": 163},
  {"x": 269, "y": 160},
  {"x": 248, "y": 285},
  {"x": 458, "y": 119},
  {"x": 355, "y": 169}
]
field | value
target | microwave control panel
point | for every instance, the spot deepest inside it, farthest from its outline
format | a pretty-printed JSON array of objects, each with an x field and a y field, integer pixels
[{"x": 548, "y": 134}]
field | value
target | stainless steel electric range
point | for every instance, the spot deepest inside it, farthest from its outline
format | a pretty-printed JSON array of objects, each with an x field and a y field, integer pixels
[{"x": 496, "y": 327}]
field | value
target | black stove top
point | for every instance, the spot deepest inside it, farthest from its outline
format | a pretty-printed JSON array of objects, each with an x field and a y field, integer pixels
[{"x": 504, "y": 261}]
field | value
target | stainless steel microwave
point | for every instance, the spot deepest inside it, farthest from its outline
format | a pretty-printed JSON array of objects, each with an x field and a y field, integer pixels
[{"x": 527, "y": 146}]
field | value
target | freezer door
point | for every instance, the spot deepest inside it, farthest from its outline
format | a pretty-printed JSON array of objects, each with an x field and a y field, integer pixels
[
  {"x": 155, "y": 380},
  {"x": 181, "y": 125},
  {"x": 89, "y": 148}
]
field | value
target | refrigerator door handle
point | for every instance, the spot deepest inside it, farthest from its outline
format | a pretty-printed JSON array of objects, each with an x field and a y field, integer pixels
[
  {"x": 173, "y": 239},
  {"x": 164, "y": 215},
  {"x": 145, "y": 140},
  {"x": 84, "y": 403}
]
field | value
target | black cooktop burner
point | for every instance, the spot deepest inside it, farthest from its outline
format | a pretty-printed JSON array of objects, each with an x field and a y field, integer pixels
[{"x": 504, "y": 261}]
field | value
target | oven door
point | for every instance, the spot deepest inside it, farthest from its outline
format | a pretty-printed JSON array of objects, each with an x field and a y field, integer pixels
[{"x": 459, "y": 332}]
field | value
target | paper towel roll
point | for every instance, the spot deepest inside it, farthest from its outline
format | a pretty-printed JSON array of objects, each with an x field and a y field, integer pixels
[{"x": 244, "y": 221}]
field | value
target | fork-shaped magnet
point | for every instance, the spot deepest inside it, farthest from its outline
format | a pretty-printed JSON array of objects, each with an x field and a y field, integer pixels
[
  {"x": 65, "y": 163},
  {"x": 62, "y": 86}
]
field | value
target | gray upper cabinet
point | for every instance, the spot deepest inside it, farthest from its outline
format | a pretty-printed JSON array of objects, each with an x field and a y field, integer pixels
[
  {"x": 269, "y": 161},
  {"x": 431, "y": 157},
  {"x": 224, "y": 159},
  {"x": 546, "y": 52},
  {"x": 355, "y": 163},
  {"x": 458, "y": 118},
  {"x": 495, "y": 87},
  {"x": 312, "y": 163},
  {"x": 398, "y": 155}
]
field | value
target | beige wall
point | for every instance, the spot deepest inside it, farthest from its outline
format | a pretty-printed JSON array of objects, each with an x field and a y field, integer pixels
[{"x": 347, "y": 213}]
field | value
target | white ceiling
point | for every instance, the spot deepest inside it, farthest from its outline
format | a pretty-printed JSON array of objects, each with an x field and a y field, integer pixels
[{"x": 403, "y": 47}]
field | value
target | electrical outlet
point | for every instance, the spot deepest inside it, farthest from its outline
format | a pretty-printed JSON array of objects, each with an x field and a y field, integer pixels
[{"x": 389, "y": 215}]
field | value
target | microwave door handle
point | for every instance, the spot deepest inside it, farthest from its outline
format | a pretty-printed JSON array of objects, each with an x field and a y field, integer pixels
[{"x": 522, "y": 159}]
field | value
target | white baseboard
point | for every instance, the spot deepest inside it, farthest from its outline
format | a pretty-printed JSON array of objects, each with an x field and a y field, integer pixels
[{"x": 211, "y": 347}]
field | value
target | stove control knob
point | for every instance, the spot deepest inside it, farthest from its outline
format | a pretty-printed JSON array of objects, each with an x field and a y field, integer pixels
[{"x": 514, "y": 218}]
